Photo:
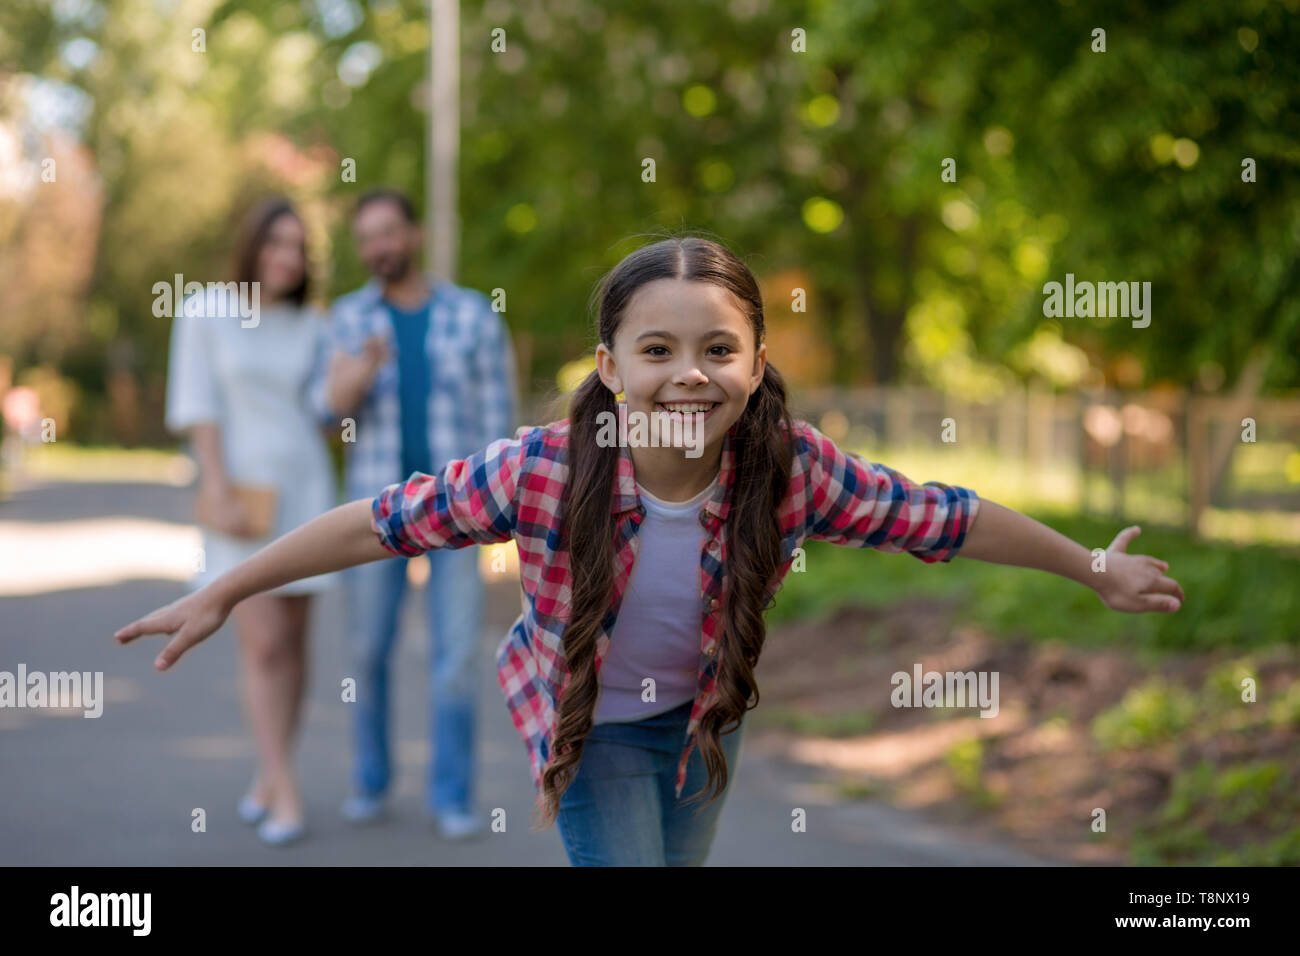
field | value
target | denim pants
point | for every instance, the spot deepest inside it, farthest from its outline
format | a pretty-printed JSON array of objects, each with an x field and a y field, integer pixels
[
  {"x": 620, "y": 809},
  {"x": 454, "y": 596}
]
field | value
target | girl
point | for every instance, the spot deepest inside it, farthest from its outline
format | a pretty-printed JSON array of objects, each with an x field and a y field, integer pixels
[
  {"x": 624, "y": 688},
  {"x": 239, "y": 391}
]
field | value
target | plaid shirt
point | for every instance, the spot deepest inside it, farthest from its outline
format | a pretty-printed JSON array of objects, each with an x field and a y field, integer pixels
[
  {"x": 473, "y": 398},
  {"x": 511, "y": 489}
]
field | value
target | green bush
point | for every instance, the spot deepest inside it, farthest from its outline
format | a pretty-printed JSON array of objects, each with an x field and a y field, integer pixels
[
  {"x": 1181, "y": 844},
  {"x": 1151, "y": 713},
  {"x": 1188, "y": 791},
  {"x": 965, "y": 760},
  {"x": 1284, "y": 710},
  {"x": 1223, "y": 687},
  {"x": 1203, "y": 796},
  {"x": 1245, "y": 791}
]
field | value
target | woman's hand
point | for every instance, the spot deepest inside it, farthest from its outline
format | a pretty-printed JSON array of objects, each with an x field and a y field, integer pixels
[
  {"x": 191, "y": 618},
  {"x": 1136, "y": 582},
  {"x": 228, "y": 513}
]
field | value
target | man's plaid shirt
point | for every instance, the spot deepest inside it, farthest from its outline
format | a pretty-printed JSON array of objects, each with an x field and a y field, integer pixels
[
  {"x": 511, "y": 490},
  {"x": 473, "y": 399}
]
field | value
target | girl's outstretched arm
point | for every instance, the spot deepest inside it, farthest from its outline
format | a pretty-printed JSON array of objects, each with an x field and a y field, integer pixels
[
  {"x": 1130, "y": 582},
  {"x": 338, "y": 539}
]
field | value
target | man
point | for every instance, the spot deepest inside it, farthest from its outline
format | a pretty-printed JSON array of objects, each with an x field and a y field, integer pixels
[{"x": 426, "y": 370}]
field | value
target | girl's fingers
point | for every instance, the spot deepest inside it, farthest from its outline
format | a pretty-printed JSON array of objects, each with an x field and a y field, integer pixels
[
  {"x": 168, "y": 656},
  {"x": 1157, "y": 563},
  {"x": 1163, "y": 594},
  {"x": 1159, "y": 602},
  {"x": 155, "y": 623},
  {"x": 1167, "y": 586}
]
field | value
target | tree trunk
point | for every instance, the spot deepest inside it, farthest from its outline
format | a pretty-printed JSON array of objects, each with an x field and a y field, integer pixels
[
  {"x": 1229, "y": 438},
  {"x": 885, "y": 326}
]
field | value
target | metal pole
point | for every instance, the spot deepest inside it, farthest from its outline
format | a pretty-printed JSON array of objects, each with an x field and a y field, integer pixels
[{"x": 441, "y": 215}]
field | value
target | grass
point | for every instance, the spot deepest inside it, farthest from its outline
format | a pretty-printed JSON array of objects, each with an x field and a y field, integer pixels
[
  {"x": 1205, "y": 799},
  {"x": 64, "y": 461}
]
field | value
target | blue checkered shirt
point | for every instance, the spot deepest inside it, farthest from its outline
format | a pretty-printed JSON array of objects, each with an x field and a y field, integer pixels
[{"x": 473, "y": 400}]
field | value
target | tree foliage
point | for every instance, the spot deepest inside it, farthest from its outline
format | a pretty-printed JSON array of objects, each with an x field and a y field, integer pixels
[{"x": 810, "y": 136}]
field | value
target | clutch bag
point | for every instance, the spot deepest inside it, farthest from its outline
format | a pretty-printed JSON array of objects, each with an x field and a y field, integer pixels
[{"x": 259, "y": 503}]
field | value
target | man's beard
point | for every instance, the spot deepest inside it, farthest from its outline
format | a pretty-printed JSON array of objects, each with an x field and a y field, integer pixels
[{"x": 395, "y": 268}]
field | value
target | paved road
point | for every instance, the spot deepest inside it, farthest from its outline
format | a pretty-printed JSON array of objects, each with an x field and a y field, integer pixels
[{"x": 120, "y": 789}]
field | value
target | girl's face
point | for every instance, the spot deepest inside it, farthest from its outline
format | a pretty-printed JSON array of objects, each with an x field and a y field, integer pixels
[
  {"x": 281, "y": 263},
  {"x": 684, "y": 341}
]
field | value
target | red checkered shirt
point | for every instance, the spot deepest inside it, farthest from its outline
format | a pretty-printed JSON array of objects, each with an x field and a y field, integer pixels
[{"x": 511, "y": 490}]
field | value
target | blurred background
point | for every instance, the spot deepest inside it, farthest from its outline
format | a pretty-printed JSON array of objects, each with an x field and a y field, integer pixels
[{"x": 813, "y": 139}]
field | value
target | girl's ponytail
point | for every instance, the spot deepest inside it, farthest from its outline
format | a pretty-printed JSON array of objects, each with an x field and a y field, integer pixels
[
  {"x": 763, "y": 446},
  {"x": 587, "y": 535}
]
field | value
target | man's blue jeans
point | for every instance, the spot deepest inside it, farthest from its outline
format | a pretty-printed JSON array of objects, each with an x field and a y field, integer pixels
[
  {"x": 620, "y": 808},
  {"x": 454, "y": 604}
]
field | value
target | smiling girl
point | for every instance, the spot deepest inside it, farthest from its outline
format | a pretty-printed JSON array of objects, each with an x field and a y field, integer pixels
[{"x": 645, "y": 572}]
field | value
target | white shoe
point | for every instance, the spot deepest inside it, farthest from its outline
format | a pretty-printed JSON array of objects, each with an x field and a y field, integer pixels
[
  {"x": 274, "y": 833},
  {"x": 252, "y": 812},
  {"x": 458, "y": 825}
]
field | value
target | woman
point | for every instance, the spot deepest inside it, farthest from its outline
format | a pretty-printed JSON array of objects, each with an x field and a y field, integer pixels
[{"x": 238, "y": 384}]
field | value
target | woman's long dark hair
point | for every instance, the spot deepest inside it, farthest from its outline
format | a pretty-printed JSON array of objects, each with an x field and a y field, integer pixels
[
  {"x": 254, "y": 228},
  {"x": 752, "y": 536}
]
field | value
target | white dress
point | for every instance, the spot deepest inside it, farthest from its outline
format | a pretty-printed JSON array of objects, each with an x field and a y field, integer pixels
[{"x": 252, "y": 383}]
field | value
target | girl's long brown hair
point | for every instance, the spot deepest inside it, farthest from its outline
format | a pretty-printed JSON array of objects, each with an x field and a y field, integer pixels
[{"x": 762, "y": 448}]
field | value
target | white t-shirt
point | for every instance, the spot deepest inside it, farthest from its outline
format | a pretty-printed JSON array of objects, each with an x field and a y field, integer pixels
[{"x": 658, "y": 630}]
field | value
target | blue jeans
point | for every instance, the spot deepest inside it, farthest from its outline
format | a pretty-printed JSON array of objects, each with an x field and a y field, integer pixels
[
  {"x": 454, "y": 596},
  {"x": 620, "y": 808}
]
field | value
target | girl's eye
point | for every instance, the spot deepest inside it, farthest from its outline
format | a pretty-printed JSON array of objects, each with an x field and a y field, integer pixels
[{"x": 650, "y": 349}]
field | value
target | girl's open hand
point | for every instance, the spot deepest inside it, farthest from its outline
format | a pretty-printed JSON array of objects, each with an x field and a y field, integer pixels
[
  {"x": 1136, "y": 582},
  {"x": 191, "y": 618}
]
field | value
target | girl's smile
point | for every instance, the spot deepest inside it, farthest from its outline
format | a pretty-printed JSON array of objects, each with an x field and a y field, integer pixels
[{"x": 678, "y": 410}]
